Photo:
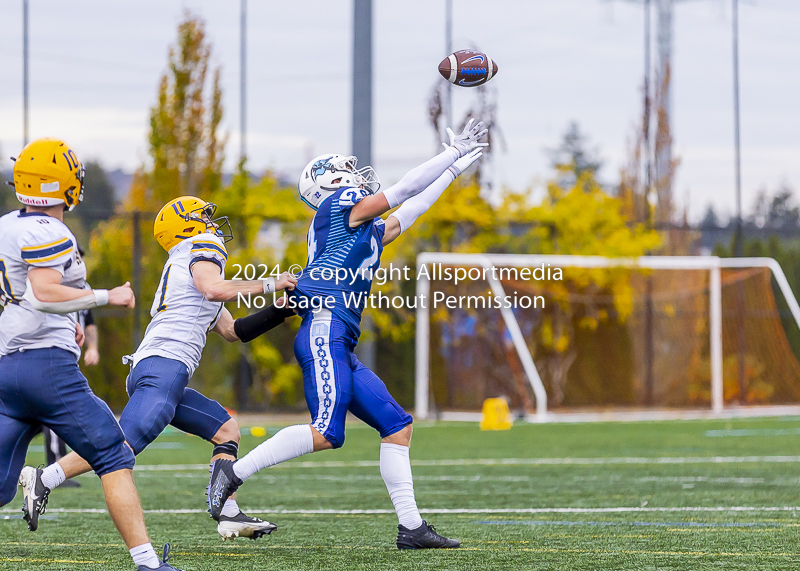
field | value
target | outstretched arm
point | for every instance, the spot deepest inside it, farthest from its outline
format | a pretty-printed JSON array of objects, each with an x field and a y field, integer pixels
[
  {"x": 418, "y": 179},
  {"x": 209, "y": 281},
  {"x": 402, "y": 218}
]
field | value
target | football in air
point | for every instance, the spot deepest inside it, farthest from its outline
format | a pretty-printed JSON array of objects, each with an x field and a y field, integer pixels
[{"x": 468, "y": 68}]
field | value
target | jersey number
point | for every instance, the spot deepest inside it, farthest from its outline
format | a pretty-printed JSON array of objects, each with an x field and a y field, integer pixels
[
  {"x": 6, "y": 294},
  {"x": 161, "y": 305},
  {"x": 370, "y": 260}
]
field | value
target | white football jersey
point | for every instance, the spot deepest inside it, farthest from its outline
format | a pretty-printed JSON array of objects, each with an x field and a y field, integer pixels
[
  {"x": 182, "y": 316},
  {"x": 35, "y": 240}
]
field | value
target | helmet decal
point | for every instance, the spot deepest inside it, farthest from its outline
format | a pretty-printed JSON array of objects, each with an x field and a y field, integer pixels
[{"x": 319, "y": 167}]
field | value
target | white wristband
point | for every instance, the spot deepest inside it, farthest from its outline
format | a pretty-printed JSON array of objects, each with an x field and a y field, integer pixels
[
  {"x": 100, "y": 297},
  {"x": 269, "y": 285}
]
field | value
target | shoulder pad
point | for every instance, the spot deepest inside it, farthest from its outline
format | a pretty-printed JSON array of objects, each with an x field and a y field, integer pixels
[{"x": 45, "y": 239}]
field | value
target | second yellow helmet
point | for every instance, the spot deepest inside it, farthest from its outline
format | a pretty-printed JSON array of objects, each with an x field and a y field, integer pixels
[{"x": 188, "y": 216}]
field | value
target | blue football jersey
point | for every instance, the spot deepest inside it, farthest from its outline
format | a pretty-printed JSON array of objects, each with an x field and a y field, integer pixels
[{"x": 341, "y": 259}]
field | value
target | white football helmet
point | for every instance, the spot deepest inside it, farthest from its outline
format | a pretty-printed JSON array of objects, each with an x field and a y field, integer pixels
[{"x": 327, "y": 173}]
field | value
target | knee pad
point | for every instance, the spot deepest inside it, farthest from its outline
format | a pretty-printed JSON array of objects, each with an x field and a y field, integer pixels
[{"x": 229, "y": 447}]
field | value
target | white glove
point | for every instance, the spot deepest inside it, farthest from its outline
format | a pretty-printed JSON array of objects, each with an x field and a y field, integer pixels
[
  {"x": 467, "y": 140},
  {"x": 464, "y": 162}
]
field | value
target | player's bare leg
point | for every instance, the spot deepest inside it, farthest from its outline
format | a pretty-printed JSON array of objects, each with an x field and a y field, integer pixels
[
  {"x": 73, "y": 465},
  {"x": 124, "y": 507},
  {"x": 402, "y": 437},
  {"x": 320, "y": 442},
  {"x": 233, "y": 522},
  {"x": 228, "y": 432}
]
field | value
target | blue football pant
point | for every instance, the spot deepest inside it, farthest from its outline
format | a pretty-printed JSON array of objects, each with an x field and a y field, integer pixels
[
  {"x": 46, "y": 387},
  {"x": 159, "y": 395},
  {"x": 335, "y": 381}
]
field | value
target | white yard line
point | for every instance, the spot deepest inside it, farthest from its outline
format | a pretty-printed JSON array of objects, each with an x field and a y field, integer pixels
[
  {"x": 510, "y": 462},
  {"x": 711, "y": 509},
  {"x": 740, "y": 432}
]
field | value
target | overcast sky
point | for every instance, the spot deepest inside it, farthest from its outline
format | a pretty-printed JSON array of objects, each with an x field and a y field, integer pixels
[{"x": 95, "y": 66}]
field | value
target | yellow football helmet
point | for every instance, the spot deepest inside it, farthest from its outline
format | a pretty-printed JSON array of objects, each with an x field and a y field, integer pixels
[
  {"x": 47, "y": 173},
  {"x": 183, "y": 218}
]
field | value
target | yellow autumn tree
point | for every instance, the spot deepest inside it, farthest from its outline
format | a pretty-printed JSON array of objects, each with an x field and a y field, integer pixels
[
  {"x": 186, "y": 154},
  {"x": 581, "y": 219}
]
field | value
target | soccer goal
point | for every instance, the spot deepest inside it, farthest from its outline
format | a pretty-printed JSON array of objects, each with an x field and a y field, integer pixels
[{"x": 588, "y": 337}]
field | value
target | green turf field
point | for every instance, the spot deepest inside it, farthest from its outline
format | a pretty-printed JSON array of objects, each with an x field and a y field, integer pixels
[{"x": 657, "y": 495}]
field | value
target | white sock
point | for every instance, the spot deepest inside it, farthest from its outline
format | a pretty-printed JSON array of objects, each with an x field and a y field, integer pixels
[
  {"x": 145, "y": 555},
  {"x": 290, "y": 442},
  {"x": 53, "y": 476},
  {"x": 231, "y": 508},
  {"x": 396, "y": 473}
]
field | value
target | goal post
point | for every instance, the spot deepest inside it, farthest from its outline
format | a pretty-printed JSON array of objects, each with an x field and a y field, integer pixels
[{"x": 428, "y": 261}]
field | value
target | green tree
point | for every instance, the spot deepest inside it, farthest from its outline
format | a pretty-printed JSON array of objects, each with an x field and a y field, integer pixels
[
  {"x": 99, "y": 204},
  {"x": 185, "y": 146},
  {"x": 186, "y": 153}
]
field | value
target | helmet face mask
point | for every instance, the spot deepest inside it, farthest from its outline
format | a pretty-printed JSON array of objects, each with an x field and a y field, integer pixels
[
  {"x": 70, "y": 203},
  {"x": 220, "y": 227},
  {"x": 328, "y": 173},
  {"x": 369, "y": 179}
]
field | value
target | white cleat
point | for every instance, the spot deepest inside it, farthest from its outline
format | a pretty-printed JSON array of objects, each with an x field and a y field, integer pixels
[
  {"x": 34, "y": 495},
  {"x": 242, "y": 525}
]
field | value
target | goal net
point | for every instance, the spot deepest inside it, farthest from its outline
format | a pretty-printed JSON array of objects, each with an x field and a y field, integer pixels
[{"x": 586, "y": 337}]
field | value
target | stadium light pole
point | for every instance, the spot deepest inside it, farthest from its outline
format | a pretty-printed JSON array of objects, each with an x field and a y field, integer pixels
[
  {"x": 739, "y": 247},
  {"x": 245, "y": 372},
  {"x": 362, "y": 128},
  {"x": 649, "y": 351},
  {"x": 243, "y": 84},
  {"x": 24, "y": 72}
]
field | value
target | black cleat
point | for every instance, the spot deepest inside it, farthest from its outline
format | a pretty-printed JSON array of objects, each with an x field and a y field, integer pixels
[
  {"x": 424, "y": 537},
  {"x": 222, "y": 485},
  {"x": 70, "y": 484},
  {"x": 164, "y": 565},
  {"x": 242, "y": 525},
  {"x": 34, "y": 496}
]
